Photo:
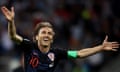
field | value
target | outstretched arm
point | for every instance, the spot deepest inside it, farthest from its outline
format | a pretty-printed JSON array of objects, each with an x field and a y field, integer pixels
[
  {"x": 11, "y": 26},
  {"x": 106, "y": 46}
]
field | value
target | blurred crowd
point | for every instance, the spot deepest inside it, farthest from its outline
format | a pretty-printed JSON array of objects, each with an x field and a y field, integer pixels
[{"x": 78, "y": 24}]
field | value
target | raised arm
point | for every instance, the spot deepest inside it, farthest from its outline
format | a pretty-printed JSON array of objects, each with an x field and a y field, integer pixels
[
  {"x": 106, "y": 46},
  {"x": 9, "y": 14}
]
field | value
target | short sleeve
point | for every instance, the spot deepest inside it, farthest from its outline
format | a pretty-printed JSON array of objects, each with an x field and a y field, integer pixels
[
  {"x": 26, "y": 42},
  {"x": 26, "y": 45},
  {"x": 61, "y": 53}
]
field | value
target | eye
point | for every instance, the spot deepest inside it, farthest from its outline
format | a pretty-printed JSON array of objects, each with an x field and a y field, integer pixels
[
  {"x": 43, "y": 32},
  {"x": 50, "y": 33}
]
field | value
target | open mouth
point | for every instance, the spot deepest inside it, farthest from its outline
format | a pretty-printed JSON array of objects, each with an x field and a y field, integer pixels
[{"x": 46, "y": 39}]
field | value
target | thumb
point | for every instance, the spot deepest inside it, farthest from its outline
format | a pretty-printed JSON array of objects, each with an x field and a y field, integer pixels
[
  {"x": 12, "y": 9},
  {"x": 106, "y": 38}
]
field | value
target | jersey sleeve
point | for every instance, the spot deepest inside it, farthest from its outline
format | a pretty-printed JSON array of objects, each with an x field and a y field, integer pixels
[
  {"x": 61, "y": 53},
  {"x": 66, "y": 54},
  {"x": 26, "y": 45}
]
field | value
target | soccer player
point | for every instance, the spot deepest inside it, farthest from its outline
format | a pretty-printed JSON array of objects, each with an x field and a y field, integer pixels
[{"x": 39, "y": 56}]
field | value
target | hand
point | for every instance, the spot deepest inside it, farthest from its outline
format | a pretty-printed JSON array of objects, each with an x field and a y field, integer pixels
[
  {"x": 110, "y": 46},
  {"x": 8, "y": 14}
]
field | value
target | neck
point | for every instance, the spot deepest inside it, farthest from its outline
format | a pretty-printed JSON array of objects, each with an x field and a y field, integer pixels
[{"x": 44, "y": 49}]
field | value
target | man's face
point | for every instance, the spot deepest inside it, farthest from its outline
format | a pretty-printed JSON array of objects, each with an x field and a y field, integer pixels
[{"x": 45, "y": 36}]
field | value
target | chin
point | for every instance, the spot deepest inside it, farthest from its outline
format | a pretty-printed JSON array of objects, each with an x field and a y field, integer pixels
[{"x": 45, "y": 44}]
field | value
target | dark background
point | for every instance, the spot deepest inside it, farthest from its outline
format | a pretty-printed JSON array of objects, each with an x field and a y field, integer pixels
[{"x": 78, "y": 24}]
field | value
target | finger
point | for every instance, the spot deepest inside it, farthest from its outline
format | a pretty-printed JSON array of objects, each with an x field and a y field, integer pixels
[
  {"x": 115, "y": 43},
  {"x": 12, "y": 9},
  {"x": 106, "y": 38},
  {"x": 3, "y": 7},
  {"x": 114, "y": 49},
  {"x": 112, "y": 43},
  {"x": 5, "y": 10},
  {"x": 115, "y": 46}
]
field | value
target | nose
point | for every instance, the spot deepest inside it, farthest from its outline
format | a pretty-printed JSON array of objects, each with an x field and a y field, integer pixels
[{"x": 46, "y": 34}]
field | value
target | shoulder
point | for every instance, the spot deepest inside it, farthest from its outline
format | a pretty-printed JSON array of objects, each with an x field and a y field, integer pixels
[
  {"x": 60, "y": 53},
  {"x": 58, "y": 49},
  {"x": 26, "y": 41},
  {"x": 27, "y": 45}
]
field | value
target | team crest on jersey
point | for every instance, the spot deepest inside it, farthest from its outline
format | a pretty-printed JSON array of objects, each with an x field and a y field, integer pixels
[{"x": 51, "y": 56}]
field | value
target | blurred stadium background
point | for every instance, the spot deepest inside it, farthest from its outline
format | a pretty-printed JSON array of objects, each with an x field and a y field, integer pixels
[{"x": 78, "y": 24}]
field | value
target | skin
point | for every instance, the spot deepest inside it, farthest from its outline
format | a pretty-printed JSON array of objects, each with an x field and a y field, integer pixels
[
  {"x": 46, "y": 32},
  {"x": 45, "y": 38}
]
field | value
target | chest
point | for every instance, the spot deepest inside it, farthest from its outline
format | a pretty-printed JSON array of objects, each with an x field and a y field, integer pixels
[{"x": 40, "y": 60}]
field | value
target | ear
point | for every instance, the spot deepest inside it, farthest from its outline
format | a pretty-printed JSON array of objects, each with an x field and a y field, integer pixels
[{"x": 36, "y": 37}]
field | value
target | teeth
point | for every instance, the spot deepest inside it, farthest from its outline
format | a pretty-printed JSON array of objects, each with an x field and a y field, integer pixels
[{"x": 46, "y": 39}]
